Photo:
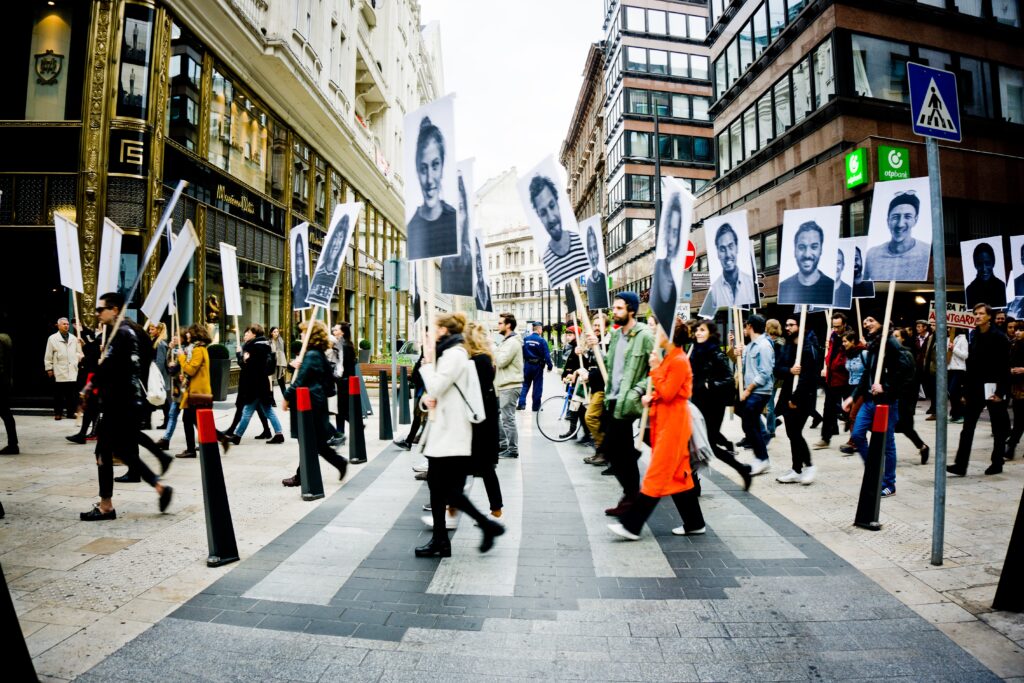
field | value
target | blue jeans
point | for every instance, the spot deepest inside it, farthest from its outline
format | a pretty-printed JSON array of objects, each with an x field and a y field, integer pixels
[
  {"x": 172, "y": 420},
  {"x": 533, "y": 374},
  {"x": 859, "y": 437},
  {"x": 247, "y": 413},
  {"x": 770, "y": 417},
  {"x": 750, "y": 414}
]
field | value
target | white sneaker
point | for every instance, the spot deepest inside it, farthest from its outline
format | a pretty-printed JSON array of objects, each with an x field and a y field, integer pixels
[
  {"x": 759, "y": 467},
  {"x": 820, "y": 445},
  {"x": 790, "y": 477},
  {"x": 681, "y": 531},
  {"x": 422, "y": 467},
  {"x": 807, "y": 476},
  {"x": 449, "y": 522},
  {"x": 620, "y": 530}
]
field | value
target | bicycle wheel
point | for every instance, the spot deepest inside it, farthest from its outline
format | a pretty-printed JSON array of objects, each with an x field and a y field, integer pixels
[{"x": 553, "y": 419}]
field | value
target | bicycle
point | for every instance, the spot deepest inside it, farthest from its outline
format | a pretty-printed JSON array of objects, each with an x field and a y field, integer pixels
[{"x": 554, "y": 419}]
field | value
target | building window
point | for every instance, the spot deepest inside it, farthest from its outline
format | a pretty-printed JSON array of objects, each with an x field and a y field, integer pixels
[
  {"x": 658, "y": 62},
  {"x": 300, "y": 178},
  {"x": 700, "y": 108},
  {"x": 1006, "y": 12},
  {"x": 681, "y": 106},
  {"x": 801, "y": 91},
  {"x": 679, "y": 65},
  {"x": 723, "y": 153},
  {"x": 746, "y": 47},
  {"x": 794, "y": 7},
  {"x": 783, "y": 109},
  {"x": 760, "y": 30},
  {"x": 824, "y": 75},
  {"x": 639, "y": 188},
  {"x": 699, "y": 67},
  {"x": 771, "y": 250},
  {"x": 974, "y": 87},
  {"x": 969, "y": 7},
  {"x": 720, "y": 76},
  {"x": 639, "y": 145},
  {"x": 702, "y": 152},
  {"x": 637, "y": 101},
  {"x": 749, "y": 132},
  {"x": 732, "y": 53},
  {"x": 880, "y": 68},
  {"x": 736, "y": 142},
  {"x": 1011, "y": 94},
  {"x": 656, "y": 22},
  {"x": 184, "y": 88},
  {"x": 776, "y": 18},
  {"x": 635, "y": 19},
  {"x": 677, "y": 25},
  {"x": 636, "y": 59},
  {"x": 698, "y": 27}
]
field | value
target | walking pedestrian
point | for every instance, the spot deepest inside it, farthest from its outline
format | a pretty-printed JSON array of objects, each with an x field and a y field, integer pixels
[
  {"x": 344, "y": 367},
  {"x": 536, "y": 357},
  {"x": 837, "y": 382},
  {"x": 508, "y": 361},
  {"x": 629, "y": 349},
  {"x": 316, "y": 374},
  {"x": 90, "y": 404},
  {"x": 758, "y": 383},
  {"x": 593, "y": 418},
  {"x": 6, "y": 384},
  {"x": 897, "y": 373},
  {"x": 174, "y": 347},
  {"x": 908, "y": 403},
  {"x": 485, "y": 434},
  {"x": 196, "y": 390},
  {"x": 418, "y": 415},
  {"x": 988, "y": 383},
  {"x": 449, "y": 435},
  {"x": 158, "y": 333},
  {"x": 773, "y": 328},
  {"x": 120, "y": 380},
  {"x": 61, "y": 364},
  {"x": 714, "y": 387},
  {"x": 923, "y": 348},
  {"x": 1016, "y": 387},
  {"x": 957, "y": 369},
  {"x": 669, "y": 473},
  {"x": 258, "y": 363},
  {"x": 799, "y": 401},
  {"x": 571, "y": 364},
  {"x": 280, "y": 359},
  {"x": 856, "y": 358}
]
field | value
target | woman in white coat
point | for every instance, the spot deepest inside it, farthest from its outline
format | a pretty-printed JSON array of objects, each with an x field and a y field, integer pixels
[{"x": 451, "y": 397}]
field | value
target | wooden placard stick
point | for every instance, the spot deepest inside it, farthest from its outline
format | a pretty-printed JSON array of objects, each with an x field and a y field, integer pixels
[
  {"x": 860, "y": 322},
  {"x": 828, "y": 340},
  {"x": 589, "y": 328},
  {"x": 305, "y": 337},
  {"x": 737, "y": 318},
  {"x": 885, "y": 332},
  {"x": 800, "y": 342}
]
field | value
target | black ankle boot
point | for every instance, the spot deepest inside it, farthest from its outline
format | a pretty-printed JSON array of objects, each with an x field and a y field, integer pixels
[{"x": 435, "y": 548}]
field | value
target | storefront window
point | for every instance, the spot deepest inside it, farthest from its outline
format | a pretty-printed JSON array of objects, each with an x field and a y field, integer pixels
[
  {"x": 261, "y": 297},
  {"x": 50, "y": 49},
  {"x": 880, "y": 68},
  {"x": 241, "y": 135},
  {"x": 186, "y": 70}
]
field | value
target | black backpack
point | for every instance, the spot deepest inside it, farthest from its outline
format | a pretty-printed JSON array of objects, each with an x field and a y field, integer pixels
[{"x": 902, "y": 371}]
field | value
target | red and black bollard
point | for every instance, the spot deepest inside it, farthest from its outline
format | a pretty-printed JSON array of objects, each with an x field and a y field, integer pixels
[
  {"x": 220, "y": 533},
  {"x": 1010, "y": 593},
  {"x": 309, "y": 458},
  {"x": 356, "y": 438},
  {"x": 870, "y": 499},
  {"x": 384, "y": 431}
]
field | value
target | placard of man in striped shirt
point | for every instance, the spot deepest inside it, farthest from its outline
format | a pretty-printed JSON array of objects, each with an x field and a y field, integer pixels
[{"x": 564, "y": 258}]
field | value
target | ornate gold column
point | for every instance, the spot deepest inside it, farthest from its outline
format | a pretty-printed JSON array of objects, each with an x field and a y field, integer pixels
[
  {"x": 157, "y": 116},
  {"x": 199, "y": 286},
  {"x": 286, "y": 314},
  {"x": 99, "y": 76}
]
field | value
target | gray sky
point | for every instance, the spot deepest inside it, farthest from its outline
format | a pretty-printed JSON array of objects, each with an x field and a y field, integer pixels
[{"x": 516, "y": 69}]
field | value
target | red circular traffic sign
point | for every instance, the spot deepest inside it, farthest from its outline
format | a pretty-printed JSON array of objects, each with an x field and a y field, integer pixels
[{"x": 691, "y": 255}]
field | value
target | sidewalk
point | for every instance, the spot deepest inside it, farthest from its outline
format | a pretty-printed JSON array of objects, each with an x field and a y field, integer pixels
[{"x": 781, "y": 587}]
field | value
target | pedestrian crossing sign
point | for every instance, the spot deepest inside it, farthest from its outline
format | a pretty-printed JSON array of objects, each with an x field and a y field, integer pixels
[{"x": 934, "y": 108}]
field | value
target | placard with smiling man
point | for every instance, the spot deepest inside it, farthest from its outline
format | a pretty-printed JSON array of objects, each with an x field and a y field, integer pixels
[
  {"x": 810, "y": 241},
  {"x": 728, "y": 240},
  {"x": 552, "y": 222},
  {"x": 899, "y": 232}
]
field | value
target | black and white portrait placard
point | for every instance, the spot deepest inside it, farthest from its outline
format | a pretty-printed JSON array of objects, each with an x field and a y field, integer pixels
[
  {"x": 597, "y": 273},
  {"x": 899, "y": 232},
  {"x": 862, "y": 287},
  {"x": 984, "y": 272},
  {"x": 431, "y": 181},
  {"x": 332, "y": 256},
  {"x": 807, "y": 263},
  {"x": 414, "y": 286},
  {"x": 670, "y": 251},
  {"x": 845, "y": 263},
  {"x": 1015, "y": 281},
  {"x": 457, "y": 271},
  {"x": 730, "y": 261},
  {"x": 552, "y": 222},
  {"x": 298, "y": 239},
  {"x": 481, "y": 283}
]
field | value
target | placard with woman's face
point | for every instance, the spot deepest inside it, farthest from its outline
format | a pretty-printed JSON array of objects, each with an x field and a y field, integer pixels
[
  {"x": 431, "y": 181},
  {"x": 336, "y": 242},
  {"x": 457, "y": 271},
  {"x": 597, "y": 273},
  {"x": 299, "y": 240},
  {"x": 670, "y": 251},
  {"x": 807, "y": 263},
  {"x": 899, "y": 232}
]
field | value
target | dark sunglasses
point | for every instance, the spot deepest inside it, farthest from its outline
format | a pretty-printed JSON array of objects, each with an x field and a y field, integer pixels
[{"x": 100, "y": 309}]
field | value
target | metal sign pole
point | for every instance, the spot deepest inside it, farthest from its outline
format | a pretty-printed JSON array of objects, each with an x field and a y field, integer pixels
[
  {"x": 393, "y": 316},
  {"x": 941, "y": 414}
]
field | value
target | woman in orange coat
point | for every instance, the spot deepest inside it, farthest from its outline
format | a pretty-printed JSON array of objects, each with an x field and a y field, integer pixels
[{"x": 669, "y": 472}]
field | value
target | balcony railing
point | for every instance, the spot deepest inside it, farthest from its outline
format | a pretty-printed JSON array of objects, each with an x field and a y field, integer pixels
[{"x": 254, "y": 12}]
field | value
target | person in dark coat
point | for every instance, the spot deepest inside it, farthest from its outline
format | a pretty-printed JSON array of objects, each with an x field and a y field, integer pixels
[
  {"x": 484, "y": 449},
  {"x": 258, "y": 362},
  {"x": 713, "y": 385},
  {"x": 315, "y": 373},
  {"x": 799, "y": 401},
  {"x": 908, "y": 402},
  {"x": 418, "y": 416}
]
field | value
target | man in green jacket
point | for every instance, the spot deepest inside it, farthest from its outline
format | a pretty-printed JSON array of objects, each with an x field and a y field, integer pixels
[{"x": 630, "y": 346}]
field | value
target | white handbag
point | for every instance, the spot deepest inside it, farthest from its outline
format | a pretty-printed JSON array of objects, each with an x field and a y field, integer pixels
[{"x": 156, "y": 392}]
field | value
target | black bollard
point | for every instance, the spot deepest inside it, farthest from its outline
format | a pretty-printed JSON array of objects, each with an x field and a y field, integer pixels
[
  {"x": 1010, "y": 593},
  {"x": 364, "y": 395},
  {"x": 309, "y": 458},
  {"x": 17, "y": 661},
  {"x": 384, "y": 426},
  {"x": 403, "y": 403},
  {"x": 356, "y": 438},
  {"x": 220, "y": 533},
  {"x": 871, "y": 485}
]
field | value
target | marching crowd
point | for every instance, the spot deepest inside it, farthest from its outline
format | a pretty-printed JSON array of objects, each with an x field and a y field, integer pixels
[{"x": 468, "y": 390}]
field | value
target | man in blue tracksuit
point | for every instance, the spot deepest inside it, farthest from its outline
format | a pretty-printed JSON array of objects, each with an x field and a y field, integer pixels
[{"x": 536, "y": 355}]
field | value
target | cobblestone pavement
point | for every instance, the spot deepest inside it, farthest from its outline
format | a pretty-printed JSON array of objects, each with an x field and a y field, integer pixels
[{"x": 330, "y": 590}]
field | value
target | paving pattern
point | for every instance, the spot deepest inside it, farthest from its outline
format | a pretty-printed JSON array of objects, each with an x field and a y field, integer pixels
[{"x": 340, "y": 596}]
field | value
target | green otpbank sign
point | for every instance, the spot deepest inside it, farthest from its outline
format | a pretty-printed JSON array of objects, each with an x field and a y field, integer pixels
[
  {"x": 856, "y": 168},
  {"x": 893, "y": 163}
]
